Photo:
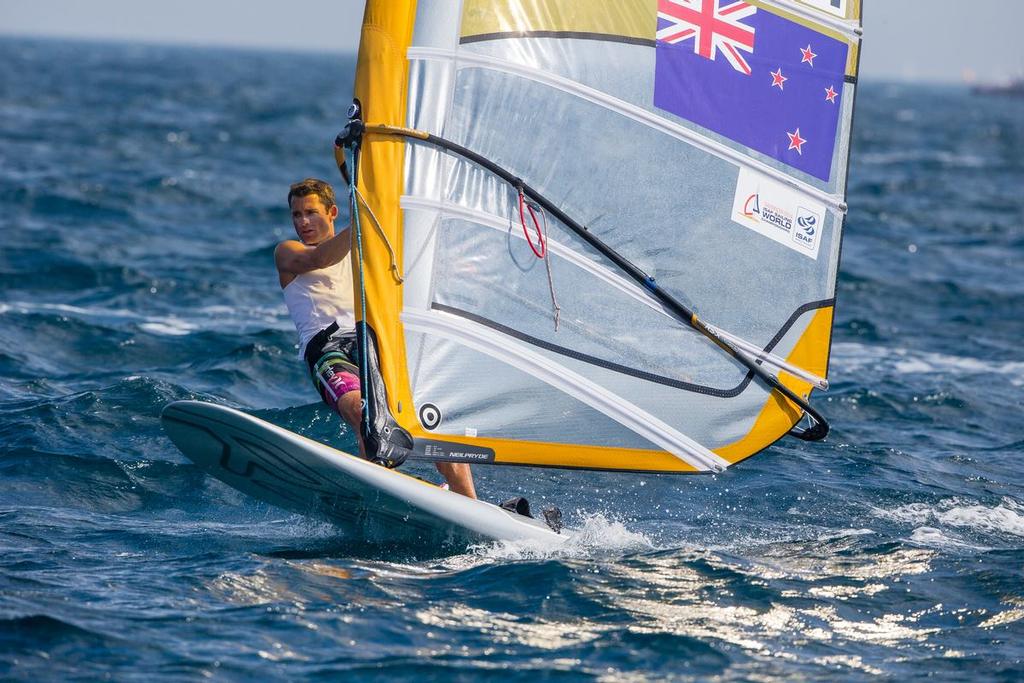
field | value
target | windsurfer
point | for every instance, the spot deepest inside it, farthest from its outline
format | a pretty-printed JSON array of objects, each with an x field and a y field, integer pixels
[{"x": 316, "y": 278}]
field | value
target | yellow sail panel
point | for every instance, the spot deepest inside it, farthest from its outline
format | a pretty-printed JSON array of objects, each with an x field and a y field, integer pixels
[
  {"x": 628, "y": 19},
  {"x": 812, "y": 351},
  {"x": 854, "y": 13},
  {"x": 569, "y": 456},
  {"x": 780, "y": 415},
  {"x": 381, "y": 86}
]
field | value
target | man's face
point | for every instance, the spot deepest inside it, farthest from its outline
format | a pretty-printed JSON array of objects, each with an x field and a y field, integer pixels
[{"x": 313, "y": 223}]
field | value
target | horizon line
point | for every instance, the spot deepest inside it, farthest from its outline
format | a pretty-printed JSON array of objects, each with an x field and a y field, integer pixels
[{"x": 337, "y": 50}]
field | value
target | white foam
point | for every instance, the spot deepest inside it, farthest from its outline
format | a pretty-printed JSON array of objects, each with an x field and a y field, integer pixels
[
  {"x": 852, "y": 357},
  {"x": 27, "y": 307},
  {"x": 169, "y": 328},
  {"x": 597, "y": 536},
  {"x": 930, "y": 537},
  {"x": 835, "y": 534},
  {"x": 208, "y": 318},
  {"x": 269, "y": 315},
  {"x": 943, "y": 157},
  {"x": 1005, "y": 518}
]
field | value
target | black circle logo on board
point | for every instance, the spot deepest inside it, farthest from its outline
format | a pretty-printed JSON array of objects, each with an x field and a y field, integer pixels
[{"x": 430, "y": 415}]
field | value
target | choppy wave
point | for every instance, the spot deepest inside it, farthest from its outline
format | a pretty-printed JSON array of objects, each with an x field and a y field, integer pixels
[
  {"x": 938, "y": 157},
  {"x": 223, "y": 319},
  {"x": 856, "y": 358},
  {"x": 593, "y": 537},
  {"x": 1005, "y": 518}
]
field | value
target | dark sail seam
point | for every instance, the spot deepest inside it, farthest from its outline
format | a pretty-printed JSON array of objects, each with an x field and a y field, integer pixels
[
  {"x": 578, "y": 35},
  {"x": 624, "y": 369}
]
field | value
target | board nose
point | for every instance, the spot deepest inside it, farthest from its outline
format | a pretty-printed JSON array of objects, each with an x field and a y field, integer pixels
[{"x": 187, "y": 431}]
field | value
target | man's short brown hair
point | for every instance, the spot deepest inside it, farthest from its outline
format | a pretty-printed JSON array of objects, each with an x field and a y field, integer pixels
[{"x": 309, "y": 186}]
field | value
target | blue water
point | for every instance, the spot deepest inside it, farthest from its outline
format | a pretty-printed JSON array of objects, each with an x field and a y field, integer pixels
[{"x": 141, "y": 196}]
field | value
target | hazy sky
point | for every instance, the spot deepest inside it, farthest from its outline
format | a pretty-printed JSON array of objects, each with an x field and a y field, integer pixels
[{"x": 905, "y": 39}]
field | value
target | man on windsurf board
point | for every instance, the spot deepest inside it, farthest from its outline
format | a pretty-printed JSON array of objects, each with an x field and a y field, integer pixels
[{"x": 316, "y": 279}]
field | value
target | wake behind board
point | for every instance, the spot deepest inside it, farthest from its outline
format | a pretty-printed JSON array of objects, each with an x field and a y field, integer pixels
[{"x": 368, "y": 501}]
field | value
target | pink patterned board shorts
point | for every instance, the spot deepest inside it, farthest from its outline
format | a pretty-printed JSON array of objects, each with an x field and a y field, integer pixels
[{"x": 335, "y": 371}]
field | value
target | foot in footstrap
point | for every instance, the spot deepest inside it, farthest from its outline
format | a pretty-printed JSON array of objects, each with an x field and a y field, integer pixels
[
  {"x": 518, "y": 505},
  {"x": 521, "y": 506},
  {"x": 553, "y": 518}
]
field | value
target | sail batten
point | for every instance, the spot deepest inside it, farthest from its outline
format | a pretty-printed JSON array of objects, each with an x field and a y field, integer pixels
[
  {"x": 650, "y": 427},
  {"x": 771, "y": 359},
  {"x": 638, "y": 114},
  {"x": 572, "y": 256},
  {"x": 620, "y": 283}
]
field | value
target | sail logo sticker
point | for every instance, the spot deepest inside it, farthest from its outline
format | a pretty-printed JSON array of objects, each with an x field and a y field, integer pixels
[
  {"x": 434, "y": 449},
  {"x": 807, "y": 225},
  {"x": 430, "y": 416},
  {"x": 779, "y": 213},
  {"x": 752, "y": 207},
  {"x": 777, "y": 217}
]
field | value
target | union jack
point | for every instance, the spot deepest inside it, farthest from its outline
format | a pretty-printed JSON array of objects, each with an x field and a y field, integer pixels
[{"x": 715, "y": 26}]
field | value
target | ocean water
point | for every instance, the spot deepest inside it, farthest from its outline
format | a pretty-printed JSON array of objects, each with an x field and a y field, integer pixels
[{"x": 141, "y": 196}]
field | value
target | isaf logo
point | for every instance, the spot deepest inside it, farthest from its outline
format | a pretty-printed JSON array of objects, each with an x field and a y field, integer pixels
[{"x": 808, "y": 225}]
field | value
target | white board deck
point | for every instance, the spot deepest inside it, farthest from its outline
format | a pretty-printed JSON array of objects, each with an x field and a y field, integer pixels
[{"x": 304, "y": 476}]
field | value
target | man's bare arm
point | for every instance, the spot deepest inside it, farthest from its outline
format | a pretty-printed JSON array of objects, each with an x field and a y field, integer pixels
[{"x": 294, "y": 257}]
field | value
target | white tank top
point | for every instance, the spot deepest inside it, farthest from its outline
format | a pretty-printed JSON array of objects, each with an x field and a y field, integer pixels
[{"x": 320, "y": 297}]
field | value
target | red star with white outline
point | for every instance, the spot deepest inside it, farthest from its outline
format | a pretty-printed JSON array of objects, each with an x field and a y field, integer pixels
[
  {"x": 778, "y": 79},
  {"x": 808, "y": 55},
  {"x": 830, "y": 95},
  {"x": 796, "y": 142}
]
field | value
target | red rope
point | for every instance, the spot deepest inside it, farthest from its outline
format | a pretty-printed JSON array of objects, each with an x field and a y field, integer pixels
[{"x": 538, "y": 252}]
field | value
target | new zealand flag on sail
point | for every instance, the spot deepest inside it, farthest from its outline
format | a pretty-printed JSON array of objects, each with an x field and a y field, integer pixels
[{"x": 752, "y": 76}]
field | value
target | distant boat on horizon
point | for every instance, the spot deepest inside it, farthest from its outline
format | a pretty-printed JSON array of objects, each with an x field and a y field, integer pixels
[{"x": 1014, "y": 88}]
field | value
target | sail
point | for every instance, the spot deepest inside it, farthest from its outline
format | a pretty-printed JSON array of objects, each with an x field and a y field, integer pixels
[{"x": 604, "y": 234}]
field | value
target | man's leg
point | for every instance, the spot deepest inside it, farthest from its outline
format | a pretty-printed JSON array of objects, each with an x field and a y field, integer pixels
[
  {"x": 459, "y": 477},
  {"x": 457, "y": 474},
  {"x": 350, "y": 407}
]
